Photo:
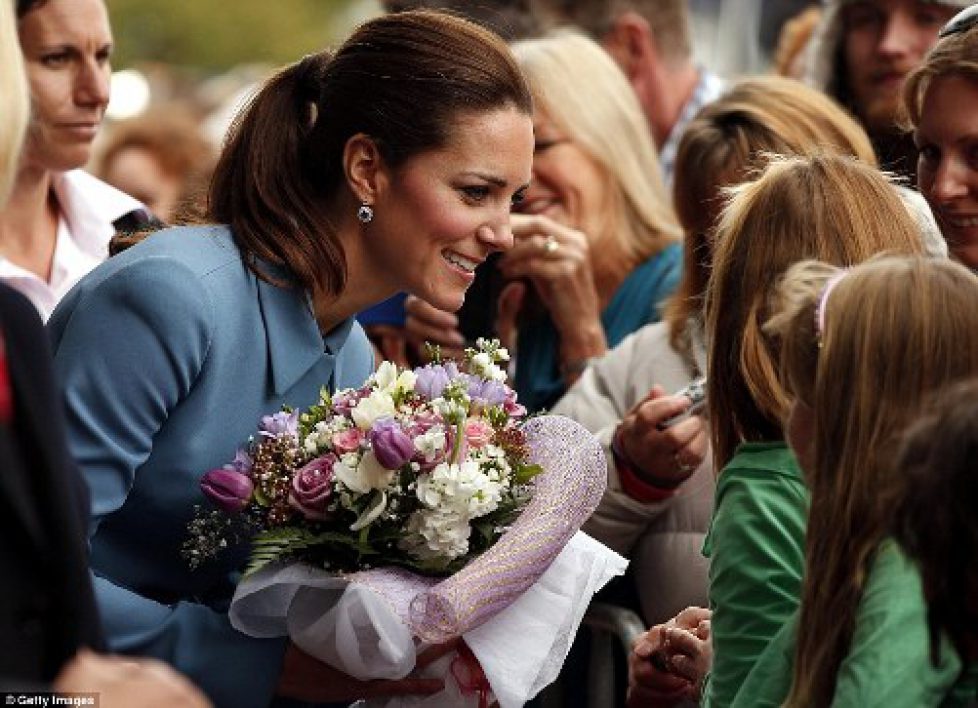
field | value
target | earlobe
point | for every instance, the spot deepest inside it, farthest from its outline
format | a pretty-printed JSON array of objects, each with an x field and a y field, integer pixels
[{"x": 362, "y": 166}]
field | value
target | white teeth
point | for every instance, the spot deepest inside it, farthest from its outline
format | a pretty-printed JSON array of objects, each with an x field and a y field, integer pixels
[
  {"x": 963, "y": 223},
  {"x": 460, "y": 261}
]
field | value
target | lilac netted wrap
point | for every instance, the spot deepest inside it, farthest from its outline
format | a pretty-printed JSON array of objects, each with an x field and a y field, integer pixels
[{"x": 565, "y": 495}]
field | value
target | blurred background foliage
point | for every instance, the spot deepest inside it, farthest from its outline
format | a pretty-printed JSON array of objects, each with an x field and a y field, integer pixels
[{"x": 214, "y": 36}]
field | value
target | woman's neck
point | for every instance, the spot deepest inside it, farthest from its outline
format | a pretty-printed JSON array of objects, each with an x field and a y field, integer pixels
[
  {"x": 29, "y": 223},
  {"x": 365, "y": 284}
]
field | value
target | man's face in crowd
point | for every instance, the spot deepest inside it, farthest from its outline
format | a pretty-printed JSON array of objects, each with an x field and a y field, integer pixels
[{"x": 884, "y": 40}]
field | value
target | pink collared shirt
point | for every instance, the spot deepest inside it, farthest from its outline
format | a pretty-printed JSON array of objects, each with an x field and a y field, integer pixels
[{"x": 88, "y": 208}]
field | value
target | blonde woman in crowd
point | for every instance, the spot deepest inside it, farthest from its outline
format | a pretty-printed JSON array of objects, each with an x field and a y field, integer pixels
[
  {"x": 941, "y": 99},
  {"x": 839, "y": 210},
  {"x": 861, "y": 352},
  {"x": 596, "y": 239},
  {"x": 660, "y": 483}
]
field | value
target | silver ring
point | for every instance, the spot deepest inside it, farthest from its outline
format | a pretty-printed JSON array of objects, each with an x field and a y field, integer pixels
[{"x": 550, "y": 245}]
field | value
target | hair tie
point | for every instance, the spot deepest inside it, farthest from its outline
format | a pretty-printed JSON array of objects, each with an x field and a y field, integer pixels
[{"x": 823, "y": 301}]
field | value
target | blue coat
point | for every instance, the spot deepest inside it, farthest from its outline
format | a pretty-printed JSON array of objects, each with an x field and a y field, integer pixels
[{"x": 169, "y": 354}]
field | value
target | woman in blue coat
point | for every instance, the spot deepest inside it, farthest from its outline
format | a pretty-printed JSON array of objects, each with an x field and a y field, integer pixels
[{"x": 388, "y": 166}]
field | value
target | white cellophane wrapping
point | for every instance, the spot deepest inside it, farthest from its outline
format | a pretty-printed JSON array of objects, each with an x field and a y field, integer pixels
[{"x": 518, "y": 605}]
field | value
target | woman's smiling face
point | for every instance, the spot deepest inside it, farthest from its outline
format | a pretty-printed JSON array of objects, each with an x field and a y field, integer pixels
[
  {"x": 441, "y": 213},
  {"x": 568, "y": 185},
  {"x": 947, "y": 169}
]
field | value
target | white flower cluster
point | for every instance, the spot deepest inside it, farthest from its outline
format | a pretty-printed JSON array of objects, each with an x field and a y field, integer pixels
[
  {"x": 452, "y": 495},
  {"x": 483, "y": 365}
]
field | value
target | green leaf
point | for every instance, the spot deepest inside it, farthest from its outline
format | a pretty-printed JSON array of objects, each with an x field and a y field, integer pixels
[{"x": 524, "y": 473}]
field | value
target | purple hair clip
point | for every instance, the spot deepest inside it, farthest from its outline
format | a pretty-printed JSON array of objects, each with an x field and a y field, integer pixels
[{"x": 823, "y": 300}]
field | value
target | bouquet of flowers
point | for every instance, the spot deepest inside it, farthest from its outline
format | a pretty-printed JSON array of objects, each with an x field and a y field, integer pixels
[
  {"x": 422, "y": 469},
  {"x": 421, "y": 507}
]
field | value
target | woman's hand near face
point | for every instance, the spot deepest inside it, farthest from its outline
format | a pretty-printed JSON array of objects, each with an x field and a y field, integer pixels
[
  {"x": 305, "y": 678},
  {"x": 671, "y": 454},
  {"x": 557, "y": 260}
]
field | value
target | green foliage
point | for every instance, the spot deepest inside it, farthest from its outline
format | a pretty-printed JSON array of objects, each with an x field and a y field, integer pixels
[
  {"x": 217, "y": 36},
  {"x": 290, "y": 542}
]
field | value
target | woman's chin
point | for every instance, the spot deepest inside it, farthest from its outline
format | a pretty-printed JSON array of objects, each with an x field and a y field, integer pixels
[{"x": 447, "y": 300}]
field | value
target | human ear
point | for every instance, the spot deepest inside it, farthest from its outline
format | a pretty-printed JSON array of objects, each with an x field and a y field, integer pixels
[
  {"x": 631, "y": 44},
  {"x": 363, "y": 167}
]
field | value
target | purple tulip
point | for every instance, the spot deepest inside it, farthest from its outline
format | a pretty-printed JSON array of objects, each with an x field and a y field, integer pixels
[
  {"x": 228, "y": 489},
  {"x": 391, "y": 445},
  {"x": 281, "y": 423},
  {"x": 312, "y": 486}
]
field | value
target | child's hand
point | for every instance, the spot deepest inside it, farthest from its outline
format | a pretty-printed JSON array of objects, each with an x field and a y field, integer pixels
[
  {"x": 690, "y": 653},
  {"x": 650, "y": 682}
]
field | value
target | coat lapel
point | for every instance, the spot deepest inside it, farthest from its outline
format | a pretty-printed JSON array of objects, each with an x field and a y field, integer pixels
[{"x": 291, "y": 333}]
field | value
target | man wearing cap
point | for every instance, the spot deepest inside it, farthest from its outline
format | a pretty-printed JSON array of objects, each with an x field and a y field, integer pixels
[{"x": 863, "y": 51}]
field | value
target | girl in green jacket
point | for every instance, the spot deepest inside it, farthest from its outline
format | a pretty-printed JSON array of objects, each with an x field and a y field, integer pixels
[{"x": 860, "y": 350}]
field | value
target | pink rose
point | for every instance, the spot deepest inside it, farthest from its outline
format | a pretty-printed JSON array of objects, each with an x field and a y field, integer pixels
[
  {"x": 478, "y": 432},
  {"x": 347, "y": 441},
  {"x": 312, "y": 486}
]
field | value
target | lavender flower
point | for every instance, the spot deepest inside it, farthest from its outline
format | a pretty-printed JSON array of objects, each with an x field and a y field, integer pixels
[
  {"x": 486, "y": 392},
  {"x": 392, "y": 446},
  {"x": 229, "y": 489},
  {"x": 279, "y": 424},
  {"x": 241, "y": 463},
  {"x": 433, "y": 378}
]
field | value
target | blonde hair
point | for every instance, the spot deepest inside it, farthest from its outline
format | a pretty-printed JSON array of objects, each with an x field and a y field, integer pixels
[
  {"x": 795, "y": 39},
  {"x": 829, "y": 207},
  {"x": 956, "y": 55},
  {"x": 726, "y": 140},
  {"x": 896, "y": 331},
  {"x": 589, "y": 99},
  {"x": 16, "y": 104}
]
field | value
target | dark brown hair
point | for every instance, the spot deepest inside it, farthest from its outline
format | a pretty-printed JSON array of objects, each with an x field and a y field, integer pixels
[
  {"x": 510, "y": 19},
  {"x": 402, "y": 79},
  {"x": 934, "y": 517}
]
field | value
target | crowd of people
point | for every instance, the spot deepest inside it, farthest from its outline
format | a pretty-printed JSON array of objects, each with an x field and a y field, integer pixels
[{"x": 563, "y": 176}]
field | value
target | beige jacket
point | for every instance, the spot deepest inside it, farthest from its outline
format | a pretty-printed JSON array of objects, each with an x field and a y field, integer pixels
[{"x": 662, "y": 539}]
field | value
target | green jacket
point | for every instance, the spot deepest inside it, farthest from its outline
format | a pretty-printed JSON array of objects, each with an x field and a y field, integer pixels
[
  {"x": 888, "y": 665},
  {"x": 756, "y": 549}
]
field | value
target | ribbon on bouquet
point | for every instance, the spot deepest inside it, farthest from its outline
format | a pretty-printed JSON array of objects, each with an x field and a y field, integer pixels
[{"x": 469, "y": 675}]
